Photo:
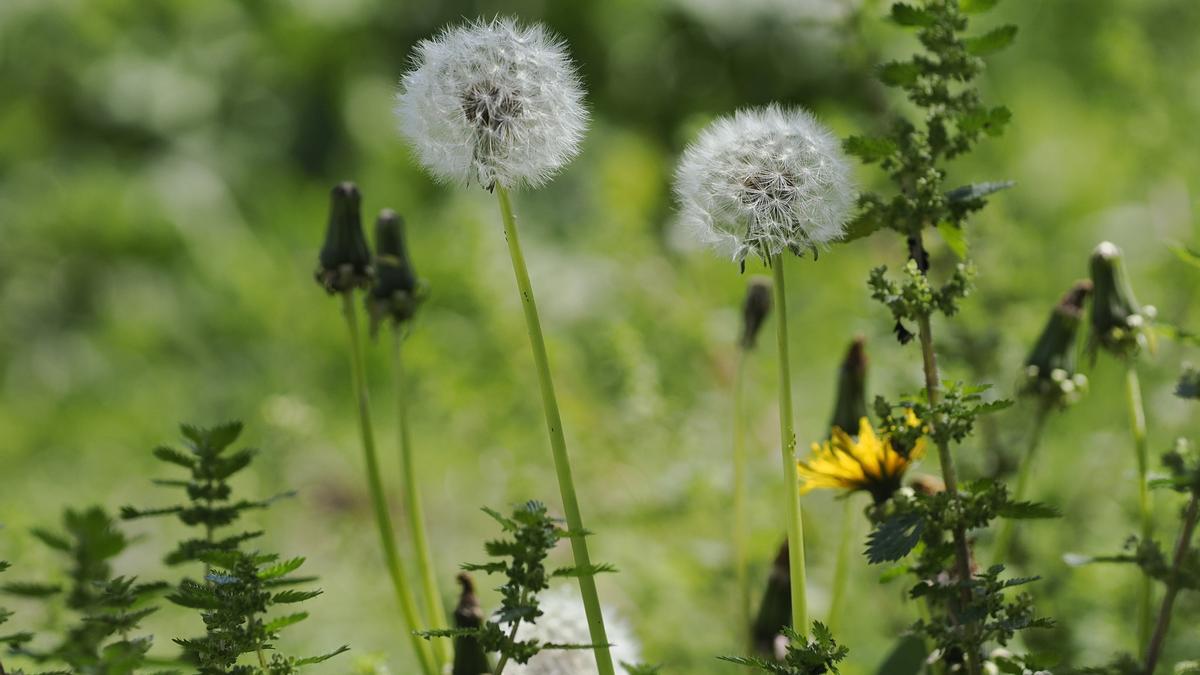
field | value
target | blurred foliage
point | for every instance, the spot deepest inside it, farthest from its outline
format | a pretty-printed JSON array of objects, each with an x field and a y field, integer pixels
[{"x": 164, "y": 167}]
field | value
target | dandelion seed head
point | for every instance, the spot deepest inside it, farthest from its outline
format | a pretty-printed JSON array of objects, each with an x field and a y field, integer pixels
[
  {"x": 492, "y": 102},
  {"x": 564, "y": 621},
  {"x": 765, "y": 180}
]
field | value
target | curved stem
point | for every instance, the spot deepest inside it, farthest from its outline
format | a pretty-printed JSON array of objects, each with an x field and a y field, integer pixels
[
  {"x": 1191, "y": 515},
  {"x": 1008, "y": 527},
  {"x": 787, "y": 434},
  {"x": 1137, "y": 426},
  {"x": 435, "y": 611},
  {"x": 962, "y": 552},
  {"x": 408, "y": 607},
  {"x": 740, "y": 555},
  {"x": 558, "y": 444},
  {"x": 841, "y": 573}
]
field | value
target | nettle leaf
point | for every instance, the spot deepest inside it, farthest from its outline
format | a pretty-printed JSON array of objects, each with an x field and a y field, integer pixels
[
  {"x": 869, "y": 148},
  {"x": 1028, "y": 511},
  {"x": 907, "y": 15},
  {"x": 279, "y": 623},
  {"x": 955, "y": 238},
  {"x": 976, "y": 6},
  {"x": 991, "y": 41},
  {"x": 895, "y": 537},
  {"x": 174, "y": 456},
  {"x": 311, "y": 660},
  {"x": 976, "y": 190},
  {"x": 899, "y": 73},
  {"x": 988, "y": 120}
]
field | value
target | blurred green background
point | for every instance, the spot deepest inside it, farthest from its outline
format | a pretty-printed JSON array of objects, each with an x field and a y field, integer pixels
[{"x": 164, "y": 169}]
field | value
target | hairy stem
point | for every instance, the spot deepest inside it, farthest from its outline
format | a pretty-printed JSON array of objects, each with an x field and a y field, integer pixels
[
  {"x": 787, "y": 435},
  {"x": 1137, "y": 426},
  {"x": 841, "y": 572},
  {"x": 436, "y": 612},
  {"x": 1008, "y": 527},
  {"x": 404, "y": 596},
  {"x": 962, "y": 553},
  {"x": 1191, "y": 515},
  {"x": 740, "y": 555},
  {"x": 558, "y": 443}
]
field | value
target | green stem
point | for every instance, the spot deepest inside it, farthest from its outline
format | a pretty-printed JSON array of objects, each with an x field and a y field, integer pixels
[
  {"x": 962, "y": 552},
  {"x": 1137, "y": 426},
  {"x": 841, "y": 573},
  {"x": 408, "y": 606},
  {"x": 1190, "y": 516},
  {"x": 1008, "y": 527},
  {"x": 740, "y": 555},
  {"x": 558, "y": 444},
  {"x": 436, "y": 612},
  {"x": 787, "y": 436}
]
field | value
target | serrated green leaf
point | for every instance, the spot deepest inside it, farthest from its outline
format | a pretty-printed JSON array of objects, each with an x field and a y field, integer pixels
[
  {"x": 279, "y": 623},
  {"x": 977, "y": 190},
  {"x": 991, "y": 41},
  {"x": 899, "y": 73},
  {"x": 1028, "y": 511},
  {"x": 907, "y": 15},
  {"x": 892, "y": 539},
  {"x": 869, "y": 148},
  {"x": 281, "y": 569},
  {"x": 292, "y": 596},
  {"x": 310, "y": 660}
]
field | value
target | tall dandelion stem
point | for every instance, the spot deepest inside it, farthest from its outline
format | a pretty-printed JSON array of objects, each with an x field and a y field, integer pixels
[
  {"x": 1137, "y": 426},
  {"x": 558, "y": 444},
  {"x": 962, "y": 554},
  {"x": 436, "y": 612},
  {"x": 787, "y": 435},
  {"x": 841, "y": 570},
  {"x": 740, "y": 555},
  {"x": 1008, "y": 527},
  {"x": 408, "y": 605}
]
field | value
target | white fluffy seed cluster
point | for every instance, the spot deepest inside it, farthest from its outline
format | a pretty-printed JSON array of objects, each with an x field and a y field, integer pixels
[
  {"x": 563, "y": 621},
  {"x": 765, "y": 180},
  {"x": 493, "y": 102}
]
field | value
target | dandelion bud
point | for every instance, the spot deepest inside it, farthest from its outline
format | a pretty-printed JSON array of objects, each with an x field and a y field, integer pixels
[
  {"x": 1189, "y": 383},
  {"x": 851, "y": 405},
  {"x": 492, "y": 102},
  {"x": 344, "y": 262},
  {"x": 469, "y": 657},
  {"x": 1118, "y": 324},
  {"x": 763, "y": 181},
  {"x": 1050, "y": 367},
  {"x": 755, "y": 309},
  {"x": 775, "y": 611},
  {"x": 397, "y": 291}
]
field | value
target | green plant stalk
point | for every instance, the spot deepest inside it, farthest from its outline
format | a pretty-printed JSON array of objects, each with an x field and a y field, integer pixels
[
  {"x": 408, "y": 606},
  {"x": 558, "y": 444},
  {"x": 1137, "y": 426},
  {"x": 791, "y": 481},
  {"x": 841, "y": 571},
  {"x": 436, "y": 612},
  {"x": 962, "y": 553},
  {"x": 740, "y": 555},
  {"x": 1008, "y": 527},
  {"x": 1191, "y": 515}
]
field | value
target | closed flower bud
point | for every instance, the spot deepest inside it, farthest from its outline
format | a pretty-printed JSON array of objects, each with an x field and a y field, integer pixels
[
  {"x": 1119, "y": 324},
  {"x": 851, "y": 404},
  {"x": 1050, "y": 366},
  {"x": 397, "y": 292},
  {"x": 345, "y": 260},
  {"x": 1189, "y": 383},
  {"x": 469, "y": 657},
  {"x": 755, "y": 309}
]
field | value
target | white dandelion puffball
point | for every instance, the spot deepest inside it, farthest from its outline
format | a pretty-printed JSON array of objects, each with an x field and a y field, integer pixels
[
  {"x": 765, "y": 180},
  {"x": 563, "y": 621},
  {"x": 493, "y": 102}
]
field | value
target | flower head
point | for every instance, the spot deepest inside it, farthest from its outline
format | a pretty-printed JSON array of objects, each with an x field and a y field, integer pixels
[
  {"x": 493, "y": 102},
  {"x": 563, "y": 621},
  {"x": 397, "y": 292},
  {"x": 866, "y": 462},
  {"x": 344, "y": 262},
  {"x": 765, "y": 180}
]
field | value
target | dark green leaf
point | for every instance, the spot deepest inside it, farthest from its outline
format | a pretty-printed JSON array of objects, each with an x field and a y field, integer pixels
[
  {"x": 899, "y": 73},
  {"x": 1028, "y": 510},
  {"x": 907, "y": 15},
  {"x": 991, "y": 41},
  {"x": 894, "y": 538}
]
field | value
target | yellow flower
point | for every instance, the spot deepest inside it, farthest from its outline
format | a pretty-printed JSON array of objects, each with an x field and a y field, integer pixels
[{"x": 866, "y": 462}]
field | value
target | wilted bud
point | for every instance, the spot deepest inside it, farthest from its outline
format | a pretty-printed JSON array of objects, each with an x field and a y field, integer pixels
[
  {"x": 397, "y": 291},
  {"x": 1119, "y": 324},
  {"x": 1050, "y": 367},
  {"x": 851, "y": 404},
  {"x": 775, "y": 611},
  {"x": 469, "y": 657},
  {"x": 755, "y": 309},
  {"x": 345, "y": 261},
  {"x": 1189, "y": 383}
]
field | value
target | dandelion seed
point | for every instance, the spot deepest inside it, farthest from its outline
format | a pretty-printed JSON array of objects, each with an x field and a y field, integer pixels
[
  {"x": 763, "y": 181},
  {"x": 493, "y": 102},
  {"x": 564, "y": 622}
]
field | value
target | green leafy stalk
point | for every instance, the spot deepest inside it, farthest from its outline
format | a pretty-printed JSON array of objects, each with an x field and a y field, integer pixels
[
  {"x": 383, "y": 521},
  {"x": 787, "y": 434},
  {"x": 416, "y": 514},
  {"x": 558, "y": 443},
  {"x": 803, "y": 657}
]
